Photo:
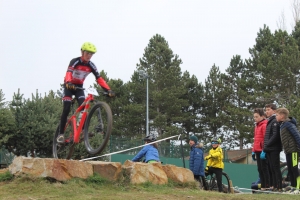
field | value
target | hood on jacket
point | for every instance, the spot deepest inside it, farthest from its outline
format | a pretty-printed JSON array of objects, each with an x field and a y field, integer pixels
[
  {"x": 292, "y": 120},
  {"x": 199, "y": 145}
]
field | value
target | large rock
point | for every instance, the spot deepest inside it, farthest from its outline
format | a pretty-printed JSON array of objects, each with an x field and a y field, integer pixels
[
  {"x": 58, "y": 169},
  {"x": 109, "y": 170},
  {"x": 178, "y": 174},
  {"x": 138, "y": 172}
]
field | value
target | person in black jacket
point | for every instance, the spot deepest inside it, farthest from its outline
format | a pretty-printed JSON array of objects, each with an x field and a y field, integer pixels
[{"x": 273, "y": 147}]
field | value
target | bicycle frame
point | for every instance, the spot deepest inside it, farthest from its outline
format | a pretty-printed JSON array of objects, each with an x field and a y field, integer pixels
[{"x": 84, "y": 108}]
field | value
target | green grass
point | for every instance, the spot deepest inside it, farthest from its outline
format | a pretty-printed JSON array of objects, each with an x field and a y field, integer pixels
[{"x": 96, "y": 187}]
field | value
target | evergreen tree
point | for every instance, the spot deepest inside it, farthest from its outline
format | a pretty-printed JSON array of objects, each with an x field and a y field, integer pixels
[
  {"x": 2, "y": 99},
  {"x": 214, "y": 104},
  {"x": 166, "y": 89},
  {"x": 274, "y": 65},
  {"x": 7, "y": 121},
  {"x": 239, "y": 123},
  {"x": 194, "y": 92},
  {"x": 36, "y": 122}
]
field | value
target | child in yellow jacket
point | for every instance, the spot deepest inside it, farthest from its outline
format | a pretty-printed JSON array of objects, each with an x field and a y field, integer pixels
[{"x": 215, "y": 163}]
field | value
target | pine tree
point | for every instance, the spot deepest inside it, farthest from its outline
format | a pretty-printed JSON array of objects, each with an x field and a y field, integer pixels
[
  {"x": 214, "y": 104},
  {"x": 166, "y": 89},
  {"x": 36, "y": 122},
  {"x": 239, "y": 123}
]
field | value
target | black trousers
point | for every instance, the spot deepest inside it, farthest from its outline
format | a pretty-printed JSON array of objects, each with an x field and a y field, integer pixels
[
  {"x": 274, "y": 162},
  {"x": 292, "y": 164},
  {"x": 203, "y": 180},
  {"x": 263, "y": 171},
  {"x": 218, "y": 173}
]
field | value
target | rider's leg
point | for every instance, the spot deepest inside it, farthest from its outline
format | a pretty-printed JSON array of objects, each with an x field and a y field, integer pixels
[
  {"x": 218, "y": 172},
  {"x": 63, "y": 120},
  {"x": 67, "y": 101}
]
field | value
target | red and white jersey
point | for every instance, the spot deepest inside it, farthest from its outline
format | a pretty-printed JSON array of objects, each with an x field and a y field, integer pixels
[{"x": 78, "y": 70}]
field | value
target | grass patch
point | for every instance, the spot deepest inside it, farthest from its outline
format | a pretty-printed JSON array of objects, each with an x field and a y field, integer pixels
[
  {"x": 96, "y": 179},
  {"x": 96, "y": 187},
  {"x": 6, "y": 176}
]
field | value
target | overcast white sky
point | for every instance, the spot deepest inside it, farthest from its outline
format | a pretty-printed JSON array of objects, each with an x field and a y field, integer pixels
[{"x": 40, "y": 37}]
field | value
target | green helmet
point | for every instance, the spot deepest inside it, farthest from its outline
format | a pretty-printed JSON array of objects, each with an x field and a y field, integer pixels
[
  {"x": 87, "y": 46},
  {"x": 215, "y": 139}
]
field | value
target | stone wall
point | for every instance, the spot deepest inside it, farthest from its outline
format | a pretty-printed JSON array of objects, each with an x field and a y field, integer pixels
[{"x": 136, "y": 172}]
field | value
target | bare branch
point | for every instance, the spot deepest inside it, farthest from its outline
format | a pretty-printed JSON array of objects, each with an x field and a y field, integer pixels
[
  {"x": 295, "y": 6},
  {"x": 281, "y": 23}
]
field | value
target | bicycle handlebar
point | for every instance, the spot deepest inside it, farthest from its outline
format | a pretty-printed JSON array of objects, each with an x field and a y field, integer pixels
[{"x": 101, "y": 91}]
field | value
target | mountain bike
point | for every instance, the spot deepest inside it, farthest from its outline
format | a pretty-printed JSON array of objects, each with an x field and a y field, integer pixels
[
  {"x": 95, "y": 123},
  {"x": 211, "y": 183}
]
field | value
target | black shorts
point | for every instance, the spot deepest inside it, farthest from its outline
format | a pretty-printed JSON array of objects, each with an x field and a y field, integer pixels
[{"x": 79, "y": 94}]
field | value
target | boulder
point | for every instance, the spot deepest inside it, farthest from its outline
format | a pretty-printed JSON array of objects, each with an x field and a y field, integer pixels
[
  {"x": 109, "y": 170},
  {"x": 134, "y": 172},
  {"x": 58, "y": 169},
  {"x": 139, "y": 172},
  {"x": 178, "y": 174}
]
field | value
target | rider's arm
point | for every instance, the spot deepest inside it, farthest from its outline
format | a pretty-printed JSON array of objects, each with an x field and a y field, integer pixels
[
  {"x": 140, "y": 154},
  {"x": 103, "y": 83},
  {"x": 99, "y": 79},
  {"x": 216, "y": 154}
]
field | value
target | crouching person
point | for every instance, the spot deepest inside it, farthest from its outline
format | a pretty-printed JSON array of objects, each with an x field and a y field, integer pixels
[
  {"x": 150, "y": 151},
  {"x": 197, "y": 161}
]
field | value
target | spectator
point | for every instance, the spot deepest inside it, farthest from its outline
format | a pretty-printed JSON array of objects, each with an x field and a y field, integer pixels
[
  {"x": 272, "y": 147},
  {"x": 215, "y": 161},
  {"x": 150, "y": 151},
  {"x": 256, "y": 185},
  {"x": 291, "y": 145},
  {"x": 259, "y": 134},
  {"x": 197, "y": 160}
]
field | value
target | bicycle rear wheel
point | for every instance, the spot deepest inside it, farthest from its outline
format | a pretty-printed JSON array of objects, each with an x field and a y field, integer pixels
[
  {"x": 212, "y": 183},
  {"x": 98, "y": 128},
  {"x": 66, "y": 150}
]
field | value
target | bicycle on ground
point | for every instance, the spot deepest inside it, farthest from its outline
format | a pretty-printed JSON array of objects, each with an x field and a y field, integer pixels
[
  {"x": 94, "y": 128},
  {"x": 211, "y": 183}
]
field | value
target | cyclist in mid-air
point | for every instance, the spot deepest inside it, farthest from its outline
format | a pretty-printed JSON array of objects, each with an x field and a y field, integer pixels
[{"x": 79, "y": 68}]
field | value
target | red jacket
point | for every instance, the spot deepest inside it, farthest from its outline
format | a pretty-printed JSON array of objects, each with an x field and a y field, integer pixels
[{"x": 259, "y": 135}]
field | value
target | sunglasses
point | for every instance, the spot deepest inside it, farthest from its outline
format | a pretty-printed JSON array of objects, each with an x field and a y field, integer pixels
[
  {"x": 89, "y": 53},
  {"x": 214, "y": 142}
]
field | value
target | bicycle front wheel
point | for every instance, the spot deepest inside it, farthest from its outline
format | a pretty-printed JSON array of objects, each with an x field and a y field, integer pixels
[
  {"x": 98, "y": 128},
  {"x": 65, "y": 150}
]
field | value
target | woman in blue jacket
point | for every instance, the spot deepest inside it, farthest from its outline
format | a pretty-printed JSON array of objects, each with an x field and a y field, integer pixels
[
  {"x": 197, "y": 160},
  {"x": 150, "y": 151}
]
